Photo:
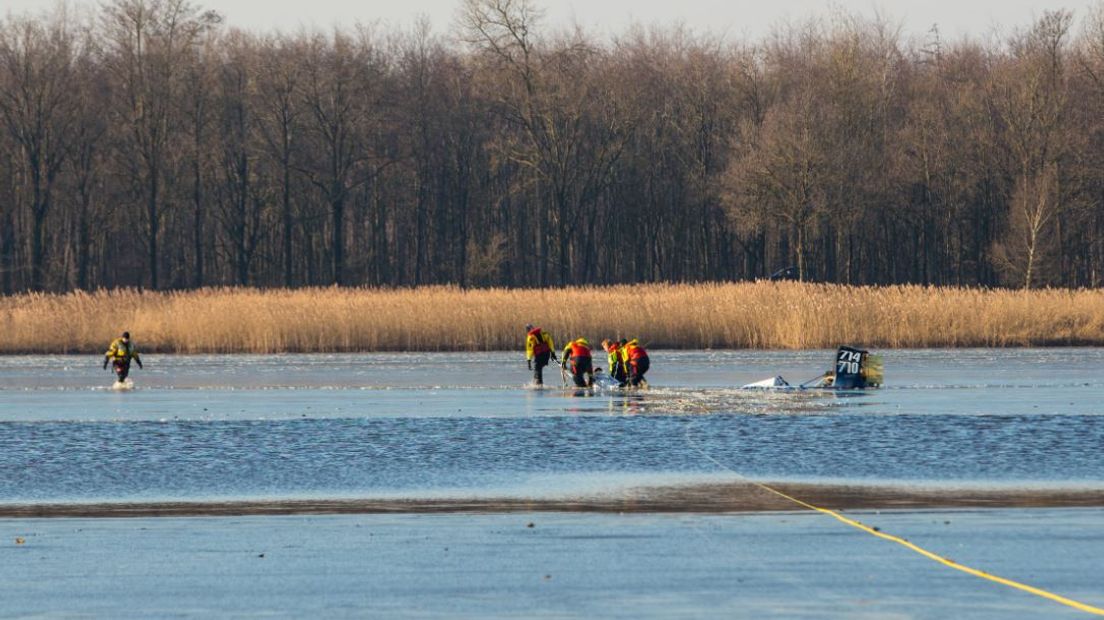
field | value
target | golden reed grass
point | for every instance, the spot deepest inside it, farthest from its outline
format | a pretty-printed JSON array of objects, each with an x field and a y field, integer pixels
[{"x": 759, "y": 315}]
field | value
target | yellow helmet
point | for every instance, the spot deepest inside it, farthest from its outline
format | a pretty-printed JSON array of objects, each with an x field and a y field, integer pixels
[{"x": 583, "y": 341}]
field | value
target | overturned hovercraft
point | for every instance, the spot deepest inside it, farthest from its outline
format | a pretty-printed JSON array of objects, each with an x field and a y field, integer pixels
[{"x": 855, "y": 369}]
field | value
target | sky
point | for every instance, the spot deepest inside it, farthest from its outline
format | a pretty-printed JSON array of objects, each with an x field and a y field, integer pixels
[{"x": 732, "y": 18}]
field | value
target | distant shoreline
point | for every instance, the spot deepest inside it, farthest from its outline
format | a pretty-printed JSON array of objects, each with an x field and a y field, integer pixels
[
  {"x": 758, "y": 315},
  {"x": 703, "y": 498}
]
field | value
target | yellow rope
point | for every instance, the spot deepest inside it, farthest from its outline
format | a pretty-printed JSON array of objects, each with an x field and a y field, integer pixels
[
  {"x": 924, "y": 552},
  {"x": 942, "y": 560}
]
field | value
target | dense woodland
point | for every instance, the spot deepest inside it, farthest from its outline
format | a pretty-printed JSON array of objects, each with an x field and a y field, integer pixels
[{"x": 151, "y": 144}]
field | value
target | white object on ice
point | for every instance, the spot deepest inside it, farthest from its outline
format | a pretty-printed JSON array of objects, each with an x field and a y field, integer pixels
[
  {"x": 123, "y": 386},
  {"x": 765, "y": 384},
  {"x": 604, "y": 381}
]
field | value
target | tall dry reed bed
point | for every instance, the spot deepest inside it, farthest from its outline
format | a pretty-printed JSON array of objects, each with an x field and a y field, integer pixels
[{"x": 745, "y": 315}]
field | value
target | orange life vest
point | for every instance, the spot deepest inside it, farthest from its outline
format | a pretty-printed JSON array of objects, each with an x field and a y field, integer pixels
[
  {"x": 635, "y": 352},
  {"x": 540, "y": 346},
  {"x": 578, "y": 350}
]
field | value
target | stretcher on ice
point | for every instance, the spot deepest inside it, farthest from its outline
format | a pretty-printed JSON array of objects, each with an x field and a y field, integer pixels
[{"x": 855, "y": 369}]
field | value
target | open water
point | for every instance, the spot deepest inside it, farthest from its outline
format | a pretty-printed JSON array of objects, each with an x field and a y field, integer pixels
[
  {"x": 466, "y": 425},
  {"x": 423, "y": 426}
]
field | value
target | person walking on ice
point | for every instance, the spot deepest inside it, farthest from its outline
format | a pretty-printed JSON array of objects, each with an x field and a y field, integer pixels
[
  {"x": 538, "y": 348},
  {"x": 119, "y": 355}
]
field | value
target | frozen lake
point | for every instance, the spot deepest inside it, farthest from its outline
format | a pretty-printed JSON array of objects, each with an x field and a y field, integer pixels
[
  {"x": 399, "y": 429},
  {"x": 465, "y": 425},
  {"x": 565, "y": 566}
]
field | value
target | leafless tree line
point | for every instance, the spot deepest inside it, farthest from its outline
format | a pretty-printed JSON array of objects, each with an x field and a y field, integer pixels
[{"x": 152, "y": 145}]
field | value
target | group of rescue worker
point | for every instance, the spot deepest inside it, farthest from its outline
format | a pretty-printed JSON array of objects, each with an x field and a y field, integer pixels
[{"x": 628, "y": 361}]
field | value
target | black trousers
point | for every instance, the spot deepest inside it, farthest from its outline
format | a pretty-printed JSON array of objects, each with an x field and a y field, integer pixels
[
  {"x": 637, "y": 370},
  {"x": 540, "y": 360},
  {"x": 122, "y": 369},
  {"x": 582, "y": 370},
  {"x": 619, "y": 374}
]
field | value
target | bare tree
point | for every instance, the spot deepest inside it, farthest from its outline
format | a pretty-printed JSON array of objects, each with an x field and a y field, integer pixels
[
  {"x": 1031, "y": 98},
  {"x": 278, "y": 120},
  {"x": 570, "y": 133},
  {"x": 148, "y": 41},
  {"x": 154, "y": 146},
  {"x": 196, "y": 108},
  {"x": 340, "y": 78},
  {"x": 88, "y": 160},
  {"x": 37, "y": 70},
  {"x": 243, "y": 202}
]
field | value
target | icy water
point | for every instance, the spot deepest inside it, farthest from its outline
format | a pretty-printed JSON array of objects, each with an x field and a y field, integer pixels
[{"x": 465, "y": 425}]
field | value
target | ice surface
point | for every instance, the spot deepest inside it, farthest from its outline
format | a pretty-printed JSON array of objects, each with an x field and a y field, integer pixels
[{"x": 427, "y": 424}]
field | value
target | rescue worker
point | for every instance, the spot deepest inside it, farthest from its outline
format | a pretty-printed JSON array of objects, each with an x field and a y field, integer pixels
[
  {"x": 636, "y": 362},
  {"x": 577, "y": 352},
  {"x": 538, "y": 348},
  {"x": 119, "y": 354},
  {"x": 616, "y": 364}
]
